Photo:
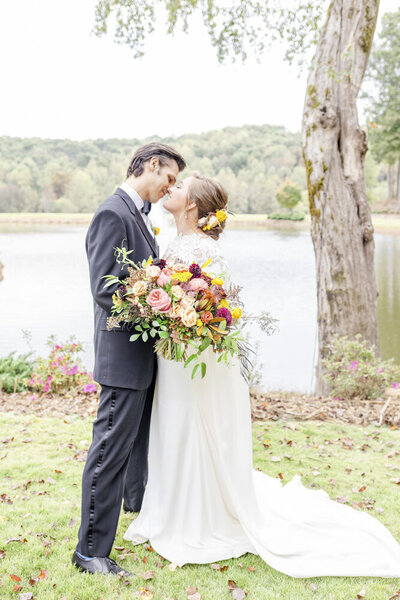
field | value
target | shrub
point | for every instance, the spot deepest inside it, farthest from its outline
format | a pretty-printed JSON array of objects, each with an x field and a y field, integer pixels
[
  {"x": 352, "y": 369},
  {"x": 15, "y": 372},
  {"x": 286, "y": 216},
  {"x": 62, "y": 370}
]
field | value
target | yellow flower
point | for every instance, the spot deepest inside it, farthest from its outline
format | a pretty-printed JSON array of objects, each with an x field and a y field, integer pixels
[
  {"x": 156, "y": 230},
  {"x": 199, "y": 323},
  {"x": 224, "y": 304},
  {"x": 182, "y": 276},
  {"x": 236, "y": 313},
  {"x": 217, "y": 281},
  {"x": 221, "y": 215},
  {"x": 206, "y": 263}
]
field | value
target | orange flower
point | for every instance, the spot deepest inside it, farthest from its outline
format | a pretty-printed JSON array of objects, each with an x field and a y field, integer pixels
[{"x": 206, "y": 316}]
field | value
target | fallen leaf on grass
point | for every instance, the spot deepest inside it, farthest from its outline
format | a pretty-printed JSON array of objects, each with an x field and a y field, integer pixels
[
  {"x": 15, "y": 578},
  {"x": 43, "y": 574},
  {"x": 232, "y": 585},
  {"x": 275, "y": 459},
  {"x": 238, "y": 594},
  {"x": 313, "y": 587},
  {"x": 192, "y": 593},
  {"x": 17, "y": 588},
  {"x": 50, "y": 480},
  {"x": 119, "y": 548},
  {"x": 173, "y": 566},
  {"x": 25, "y": 596},
  {"x": 146, "y": 592},
  {"x": 16, "y": 539},
  {"x": 6, "y": 499},
  {"x": 215, "y": 566},
  {"x": 2, "y": 554},
  {"x": 396, "y": 595},
  {"x": 72, "y": 523},
  {"x": 148, "y": 575},
  {"x": 396, "y": 481},
  {"x": 361, "y": 594}
]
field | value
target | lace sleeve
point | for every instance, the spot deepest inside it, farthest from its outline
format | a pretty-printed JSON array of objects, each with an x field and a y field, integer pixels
[{"x": 199, "y": 249}]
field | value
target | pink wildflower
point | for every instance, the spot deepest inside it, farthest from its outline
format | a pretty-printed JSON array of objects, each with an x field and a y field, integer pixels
[
  {"x": 395, "y": 385},
  {"x": 354, "y": 366},
  {"x": 73, "y": 370},
  {"x": 89, "y": 388},
  {"x": 380, "y": 371}
]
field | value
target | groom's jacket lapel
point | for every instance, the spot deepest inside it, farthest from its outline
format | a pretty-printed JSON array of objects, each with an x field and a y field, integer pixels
[{"x": 139, "y": 219}]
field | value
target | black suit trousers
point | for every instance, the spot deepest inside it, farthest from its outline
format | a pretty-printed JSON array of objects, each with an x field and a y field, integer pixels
[{"x": 122, "y": 425}]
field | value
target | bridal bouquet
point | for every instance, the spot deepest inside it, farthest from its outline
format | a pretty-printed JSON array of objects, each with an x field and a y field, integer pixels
[{"x": 181, "y": 306}]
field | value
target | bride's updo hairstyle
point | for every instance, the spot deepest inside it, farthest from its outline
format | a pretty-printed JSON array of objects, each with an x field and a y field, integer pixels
[{"x": 210, "y": 196}]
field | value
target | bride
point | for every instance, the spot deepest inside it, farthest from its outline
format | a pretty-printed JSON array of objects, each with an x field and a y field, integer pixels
[{"x": 203, "y": 501}]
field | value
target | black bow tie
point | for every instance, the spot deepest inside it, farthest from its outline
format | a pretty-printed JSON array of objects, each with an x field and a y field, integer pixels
[{"x": 146, "y": 207}]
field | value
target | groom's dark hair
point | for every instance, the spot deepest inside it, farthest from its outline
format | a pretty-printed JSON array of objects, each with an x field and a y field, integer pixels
[{"x": 163, "y": 152}]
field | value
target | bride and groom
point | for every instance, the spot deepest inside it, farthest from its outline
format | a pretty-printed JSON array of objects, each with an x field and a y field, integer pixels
[{"x": 200, "y": 500}]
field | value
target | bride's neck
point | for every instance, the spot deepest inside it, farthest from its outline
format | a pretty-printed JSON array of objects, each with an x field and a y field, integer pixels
[{"x": 185, "y": 226}]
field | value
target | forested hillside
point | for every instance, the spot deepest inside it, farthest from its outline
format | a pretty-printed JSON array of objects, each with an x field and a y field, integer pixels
[{"x": 44, "y": 175}]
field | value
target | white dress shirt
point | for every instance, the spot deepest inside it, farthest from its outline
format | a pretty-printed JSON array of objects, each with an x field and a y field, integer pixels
[{"x": 138, "y": 202}]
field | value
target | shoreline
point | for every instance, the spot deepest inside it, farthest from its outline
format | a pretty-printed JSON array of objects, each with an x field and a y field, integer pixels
[{"x": 383, "y": 223}]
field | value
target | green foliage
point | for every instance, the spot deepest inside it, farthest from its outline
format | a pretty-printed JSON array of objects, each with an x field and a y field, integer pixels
[
  {"x": 352, "y": 369},
  {"x": 286, "y": 216},
  {"x": 383, "y": 76},
  {"x": 15, "y": 372},
  {"x": 67, "y": 176},
  {"x": 233, "y": 27},
  {"x": 61, "y": 370},
  {"x": 288, "y": 195}
]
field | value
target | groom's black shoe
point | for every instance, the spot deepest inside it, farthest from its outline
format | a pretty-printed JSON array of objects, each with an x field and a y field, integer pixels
[{"x": 104, "y": 565}]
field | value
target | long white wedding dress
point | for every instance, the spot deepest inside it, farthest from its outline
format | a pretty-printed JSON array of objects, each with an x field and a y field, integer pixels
[{"x": 204, "y": 502}]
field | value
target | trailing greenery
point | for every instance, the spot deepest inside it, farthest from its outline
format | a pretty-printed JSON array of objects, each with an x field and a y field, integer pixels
[
  {"x": 352, "y": 369},
  {"x": 15, "y": 372}
]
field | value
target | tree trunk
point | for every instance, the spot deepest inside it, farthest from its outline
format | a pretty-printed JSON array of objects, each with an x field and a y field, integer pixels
[
  {"x": 398, "y": 185},
  {"x": 390, "y": 184},
  {"x": 334, "y": 148}
]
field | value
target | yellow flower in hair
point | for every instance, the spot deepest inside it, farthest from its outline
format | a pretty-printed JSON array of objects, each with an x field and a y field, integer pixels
[{"x": 221, "y": 215}]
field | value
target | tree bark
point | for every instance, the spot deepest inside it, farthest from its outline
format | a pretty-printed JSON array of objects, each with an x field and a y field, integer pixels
[
  {"x": 334, "y": 148},
  {"x": 390, "y": 184},
  {"x": 398, "y": 185}
]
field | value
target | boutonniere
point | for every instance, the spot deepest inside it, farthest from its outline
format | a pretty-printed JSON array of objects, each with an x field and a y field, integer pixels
[{"x": 156, "y": 230}]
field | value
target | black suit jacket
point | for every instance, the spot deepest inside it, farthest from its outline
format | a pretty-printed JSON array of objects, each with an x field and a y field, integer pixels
[{"x": 118, "y": 362}]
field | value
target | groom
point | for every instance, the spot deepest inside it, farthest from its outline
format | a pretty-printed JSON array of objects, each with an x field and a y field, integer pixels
[{"x": 116, "y": 465}]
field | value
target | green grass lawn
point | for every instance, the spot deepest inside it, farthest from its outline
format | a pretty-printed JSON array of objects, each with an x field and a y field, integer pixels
[{"x": 41, "y": 462}]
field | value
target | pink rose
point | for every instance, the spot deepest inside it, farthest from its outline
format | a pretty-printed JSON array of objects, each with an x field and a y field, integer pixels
[
  {"x": 159, "y": 300},
  {"x": 196, "y": 284},
  {"x": 163, "y": 278}
]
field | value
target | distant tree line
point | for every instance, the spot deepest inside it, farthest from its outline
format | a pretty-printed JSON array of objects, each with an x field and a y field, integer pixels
[{"x": 44, "y": 175}]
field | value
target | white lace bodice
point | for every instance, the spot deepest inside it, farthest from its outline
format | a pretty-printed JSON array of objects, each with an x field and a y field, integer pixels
[{"x": 199, "y": 249}]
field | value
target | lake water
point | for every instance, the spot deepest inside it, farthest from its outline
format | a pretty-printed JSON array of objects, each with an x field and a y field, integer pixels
[{"x": 45, "y": 291}]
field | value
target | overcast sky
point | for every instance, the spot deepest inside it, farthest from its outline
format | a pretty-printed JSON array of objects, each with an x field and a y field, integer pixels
[{"x": 60, "y": 81}]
